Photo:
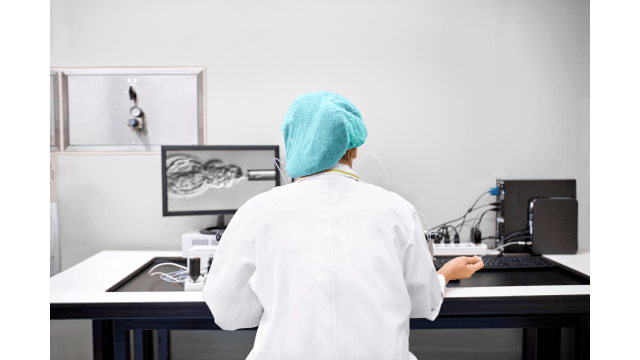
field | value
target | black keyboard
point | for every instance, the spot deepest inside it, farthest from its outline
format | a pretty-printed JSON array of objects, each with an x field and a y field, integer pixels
[{"x": 503, "y": 262}]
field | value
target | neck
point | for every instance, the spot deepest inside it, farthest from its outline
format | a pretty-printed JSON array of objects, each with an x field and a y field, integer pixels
[
  {"x": 348, "y": 163},
  {"x": 343, "y": 162}
]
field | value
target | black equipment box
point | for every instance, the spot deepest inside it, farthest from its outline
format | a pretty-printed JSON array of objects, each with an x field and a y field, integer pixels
[
  {"x": 553, "y": 225},
  {"x": 515, "y": 196}
]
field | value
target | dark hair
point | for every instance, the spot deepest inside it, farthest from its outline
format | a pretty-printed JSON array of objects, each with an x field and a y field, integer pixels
[{"x": 348, "y": 156}]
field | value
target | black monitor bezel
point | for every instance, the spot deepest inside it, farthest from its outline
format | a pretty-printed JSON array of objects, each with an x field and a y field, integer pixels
[{"x": 163, "y": 152}]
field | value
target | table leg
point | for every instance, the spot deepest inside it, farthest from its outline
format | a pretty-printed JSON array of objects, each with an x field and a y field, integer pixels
[
  {"x": 143, "y": 344},
  {"x": 581, "y": 346},
  {"x": 102, "y": 339},
  {"x": 548, "y": 344},
  {"x": 119, "y": 340},
  {"x": 138, "y": 345},
  {"x": 164, "y": 349},
  {"x": 529, "y": 343}
]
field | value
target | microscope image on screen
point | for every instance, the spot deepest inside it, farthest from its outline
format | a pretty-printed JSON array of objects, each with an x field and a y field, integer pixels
[
  {"x": 204, "y": 179},
  {"x": 187, "y": 176}
]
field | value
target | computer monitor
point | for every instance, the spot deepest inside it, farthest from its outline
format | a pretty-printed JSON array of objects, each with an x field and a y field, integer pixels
[{"x": 215, "y": 180}]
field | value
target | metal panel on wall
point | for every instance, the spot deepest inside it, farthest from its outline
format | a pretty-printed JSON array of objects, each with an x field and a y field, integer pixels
[
  {"x": 54, "y": 113},
  {"x": 133, "y": 109}
]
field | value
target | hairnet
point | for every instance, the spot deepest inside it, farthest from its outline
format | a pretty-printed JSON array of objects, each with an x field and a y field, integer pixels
[{"x": 318, "y": 130}]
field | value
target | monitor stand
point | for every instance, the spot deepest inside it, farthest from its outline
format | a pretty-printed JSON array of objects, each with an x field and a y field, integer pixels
[{"x": 213, "y": 230}]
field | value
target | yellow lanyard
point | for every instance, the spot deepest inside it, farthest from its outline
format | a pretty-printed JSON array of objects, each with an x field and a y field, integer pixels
[{"x": 330, "y": 170}]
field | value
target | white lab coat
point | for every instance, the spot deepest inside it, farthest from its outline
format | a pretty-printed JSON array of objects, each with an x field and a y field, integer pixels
[{"x": 329, "y": 267}]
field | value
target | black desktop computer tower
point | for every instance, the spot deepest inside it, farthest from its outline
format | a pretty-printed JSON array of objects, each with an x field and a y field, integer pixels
[{"x": 515, "y": 197}]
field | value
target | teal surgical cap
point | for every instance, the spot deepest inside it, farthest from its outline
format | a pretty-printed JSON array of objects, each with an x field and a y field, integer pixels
[{"x": 318, "y": 130}]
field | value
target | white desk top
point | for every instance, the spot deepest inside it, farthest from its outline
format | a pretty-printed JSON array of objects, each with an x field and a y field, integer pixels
[
  {"x": 88, "y": 281},
  {"x": 578, "y": 262}
]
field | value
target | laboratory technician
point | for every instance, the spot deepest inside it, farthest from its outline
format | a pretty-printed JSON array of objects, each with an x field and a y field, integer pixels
[{"x": 328, "y": 267}]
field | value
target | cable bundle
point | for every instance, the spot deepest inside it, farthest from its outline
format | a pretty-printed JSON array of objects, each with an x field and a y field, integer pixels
[{"x": 179, "y": 276}]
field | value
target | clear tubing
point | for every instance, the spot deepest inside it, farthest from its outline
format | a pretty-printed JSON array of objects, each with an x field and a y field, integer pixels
[
  {"x": 174, "y": 276},
  {"x": 425, "y": 219},
  {"x": 380, "y": 162},
  {"x": 168, "y": 263},
  {"x": 276, "y": 160}
]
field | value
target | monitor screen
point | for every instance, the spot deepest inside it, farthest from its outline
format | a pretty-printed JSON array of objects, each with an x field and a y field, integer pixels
[{"x": 209, "y": 180}]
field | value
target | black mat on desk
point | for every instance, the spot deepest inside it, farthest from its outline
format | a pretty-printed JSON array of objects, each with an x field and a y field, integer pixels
[
  {"x": 520, "y": 277},
  {"x": 140, "y": 280}
]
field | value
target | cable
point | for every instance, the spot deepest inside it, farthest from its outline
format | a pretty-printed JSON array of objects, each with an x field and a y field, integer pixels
[
  {"x": 275, "y": 160},
  {"x": 509, "y": 238},
  {"x": 448, "y": 222},
  {"x": 454, "y": 229},
  {"x": 182, "y": 276},
  {"x": 175, "y": 276},
  {"x": 493, "y": 191},
  {"x": 456, "y": 239},
  {"x": 512, "y": 235},
  {"x": 386, "y": 184},
  {"x": 471, "y": 208},
  {"x": 168, "y": 275},
  {"x": 445, "y": 234},
  {"x": 168, "y": 263},
  {"x": 518, "y": 237},
  {"x": 477, "y": 225},
  {"x": 512, "y": 238},
  {"x": 425, "y": 219},
  {"x": 505, "y": 245},
  {"x": 470, "y": 220},
  {"x": 461, "y": 217}
]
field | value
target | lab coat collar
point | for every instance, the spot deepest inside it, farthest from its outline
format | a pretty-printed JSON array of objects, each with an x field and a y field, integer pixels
[
  {"x": 342, "y": 169},
  {"x": 345, "y": 168}
]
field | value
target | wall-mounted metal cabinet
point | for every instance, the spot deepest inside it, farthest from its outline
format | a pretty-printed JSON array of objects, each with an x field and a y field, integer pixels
[
  {"x": 132, "y": 109},
  {"x": 54, "y": 111}
]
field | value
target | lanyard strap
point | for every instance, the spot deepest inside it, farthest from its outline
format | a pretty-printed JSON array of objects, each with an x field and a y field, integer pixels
[{"x": 331, "y": 170}]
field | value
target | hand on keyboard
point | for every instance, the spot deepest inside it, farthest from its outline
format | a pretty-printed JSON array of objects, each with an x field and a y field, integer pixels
[
  {"x": 515, "y": 262},
  {"x": 461, "y": 268}
]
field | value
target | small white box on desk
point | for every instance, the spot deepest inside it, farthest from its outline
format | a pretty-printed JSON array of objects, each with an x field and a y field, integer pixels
[
  {"x": 198, "y": 285},
  {"x": 204, "y": 252},
  {"x": 195, "y": 238},
  {"x": 463, "y": 249}
]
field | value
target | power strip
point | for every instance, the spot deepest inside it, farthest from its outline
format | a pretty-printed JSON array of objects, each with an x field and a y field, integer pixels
[{"x": 459, "y": 249}]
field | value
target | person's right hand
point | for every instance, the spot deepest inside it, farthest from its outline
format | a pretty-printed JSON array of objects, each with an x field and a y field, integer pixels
[{"x": 461, "y": 268}]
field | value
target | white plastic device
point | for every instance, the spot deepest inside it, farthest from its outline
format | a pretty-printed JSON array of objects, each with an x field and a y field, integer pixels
[
  {"x": 197, "y": 285},
  {"x": 194, "y": 238},
  {"x": 204, "y": 252},
  {"x": 462, "y": 249}
]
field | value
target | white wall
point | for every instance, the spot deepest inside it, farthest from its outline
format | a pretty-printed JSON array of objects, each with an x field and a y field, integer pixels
[{"x": 454, "y": 95}]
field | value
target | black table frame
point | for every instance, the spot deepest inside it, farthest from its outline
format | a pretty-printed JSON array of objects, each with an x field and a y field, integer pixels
[{"x": 541, "y": 317}]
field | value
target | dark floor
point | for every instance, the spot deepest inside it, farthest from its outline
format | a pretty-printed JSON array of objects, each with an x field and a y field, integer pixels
[{"x": 490, "y": 344}]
